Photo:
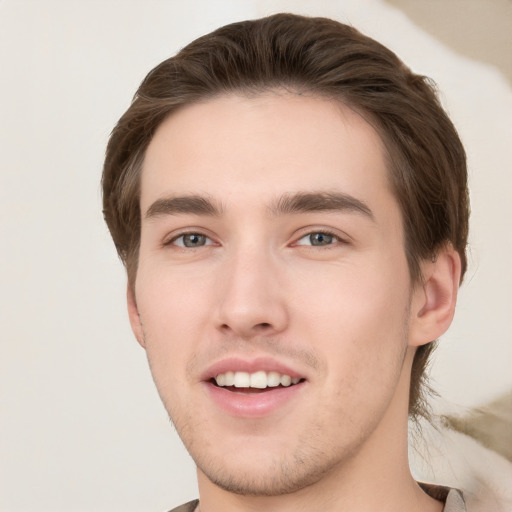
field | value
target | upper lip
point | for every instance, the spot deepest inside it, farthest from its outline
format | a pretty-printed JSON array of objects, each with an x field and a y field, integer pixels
[{"x": 237, "y": 364}]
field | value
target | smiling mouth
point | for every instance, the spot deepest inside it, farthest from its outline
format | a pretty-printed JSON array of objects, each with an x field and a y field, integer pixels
[{"x": 257, "y": 382}]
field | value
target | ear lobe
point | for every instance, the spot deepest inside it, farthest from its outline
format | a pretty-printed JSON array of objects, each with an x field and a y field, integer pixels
[
  {"x": 433, "y": 302},
  {"x": 133, "y": 313}
]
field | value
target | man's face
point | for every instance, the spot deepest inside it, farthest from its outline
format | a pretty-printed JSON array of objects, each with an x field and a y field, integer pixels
[{"x": 272, "y": 249}]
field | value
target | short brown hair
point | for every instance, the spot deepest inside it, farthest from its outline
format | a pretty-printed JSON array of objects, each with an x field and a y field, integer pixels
[{"x": 319, "y": 56}]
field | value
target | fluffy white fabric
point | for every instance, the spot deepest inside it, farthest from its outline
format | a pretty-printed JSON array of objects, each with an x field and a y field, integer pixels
[{"x": 442, "y": 456}]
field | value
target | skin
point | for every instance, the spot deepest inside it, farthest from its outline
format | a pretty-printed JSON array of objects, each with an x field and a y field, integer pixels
[{"x": 344, "y": 315}]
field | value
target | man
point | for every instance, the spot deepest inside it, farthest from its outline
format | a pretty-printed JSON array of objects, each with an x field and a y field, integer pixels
[{"x": 291, "y": 205}]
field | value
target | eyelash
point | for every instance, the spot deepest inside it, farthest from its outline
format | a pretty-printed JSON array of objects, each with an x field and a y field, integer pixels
[
  {"x": 209, "y": 242},
  {"x": 336, "y": 239},
  {"x": 172, "y": 241}
]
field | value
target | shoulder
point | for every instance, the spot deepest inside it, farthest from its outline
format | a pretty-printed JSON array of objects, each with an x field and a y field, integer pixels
[
  {"x": 457, "y": 461},
  {"x": 452, "y": 498},
  {"x": 455, "y": 502},
  {"x": 187, "y": 507}
]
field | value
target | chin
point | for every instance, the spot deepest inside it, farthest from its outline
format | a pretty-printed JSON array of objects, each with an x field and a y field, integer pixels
[
  {"x": 262, "y": 472},
  {"x": 273, "y": 480}
]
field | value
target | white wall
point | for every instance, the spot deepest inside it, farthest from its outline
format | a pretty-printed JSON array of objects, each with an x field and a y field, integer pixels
[{"x": 81, "y": 427}]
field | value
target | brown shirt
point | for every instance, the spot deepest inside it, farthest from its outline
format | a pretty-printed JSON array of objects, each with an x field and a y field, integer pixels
[
  {"x": 188, "y": 507},
  {"x": 454, "y": 502},
  {"x": 452, "y": 498}
]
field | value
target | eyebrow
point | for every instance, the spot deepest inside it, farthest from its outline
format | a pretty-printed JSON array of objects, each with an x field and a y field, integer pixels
[
  {"x": 193, "y": 204},
  {"x": 320, "y": 202},
  {"x": 301, "y": 202}
]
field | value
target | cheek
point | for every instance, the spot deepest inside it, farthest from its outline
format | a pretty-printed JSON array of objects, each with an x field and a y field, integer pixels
[
  {"x": 357, "y": 318},
  {"x": 354, "y": 297},
  {"x": 173, "y": 311}
]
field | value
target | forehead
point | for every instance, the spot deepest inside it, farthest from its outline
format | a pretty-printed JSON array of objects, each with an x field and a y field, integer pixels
[{"x": 238, "y": 147}]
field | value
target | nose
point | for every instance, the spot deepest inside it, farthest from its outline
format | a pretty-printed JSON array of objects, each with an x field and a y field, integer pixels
[{"x": 252, "y": 299}]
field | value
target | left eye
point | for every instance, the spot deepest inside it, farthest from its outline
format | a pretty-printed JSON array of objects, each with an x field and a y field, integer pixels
[
  {"x": 191, "y": 240},
  {"x": 317, "y": 239}
]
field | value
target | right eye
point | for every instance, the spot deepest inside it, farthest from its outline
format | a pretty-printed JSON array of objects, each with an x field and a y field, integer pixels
[
  {"x": 318, "y": 239},
  {"x": 191, "y": 240}
]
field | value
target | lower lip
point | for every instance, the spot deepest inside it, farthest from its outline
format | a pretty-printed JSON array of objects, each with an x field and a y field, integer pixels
[{"x": 253, "y": 405}]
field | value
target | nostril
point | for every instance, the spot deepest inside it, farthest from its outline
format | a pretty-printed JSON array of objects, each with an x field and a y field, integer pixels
[{"x": 247, "y": 329}]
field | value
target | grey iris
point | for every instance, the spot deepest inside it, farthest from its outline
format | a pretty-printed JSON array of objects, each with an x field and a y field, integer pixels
[
  {"x": 194, "y": 240},
  {"x": 320, "y": 239}
]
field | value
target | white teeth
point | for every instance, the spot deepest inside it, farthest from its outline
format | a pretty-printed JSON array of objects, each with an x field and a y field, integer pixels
[
  {"x": 286, "y": 380},
  {"x": 273, "y": 379},
  {"x": 230, "y": 379},
  {"x": 258, "y": 380},
  {"x": 242, "y": 380}
]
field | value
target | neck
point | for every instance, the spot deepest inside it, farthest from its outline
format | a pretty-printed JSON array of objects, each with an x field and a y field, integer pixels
[{"x": 377, "y": 477}]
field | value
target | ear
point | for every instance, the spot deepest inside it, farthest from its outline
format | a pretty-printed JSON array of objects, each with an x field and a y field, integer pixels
[
  {"x": 434, "y": 299},
  {"x": 133, "y": 313}
]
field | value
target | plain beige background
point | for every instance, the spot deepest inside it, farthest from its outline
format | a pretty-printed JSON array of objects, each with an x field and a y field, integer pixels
[{"x": 81, "y": 427}]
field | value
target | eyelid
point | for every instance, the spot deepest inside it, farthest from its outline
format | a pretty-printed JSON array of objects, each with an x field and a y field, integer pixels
[
  {"x": 340, "y": 238},
  {"x": 172, "y": 237}
]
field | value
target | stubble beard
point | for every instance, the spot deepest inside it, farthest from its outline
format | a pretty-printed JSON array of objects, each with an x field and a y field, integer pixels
[
  {"x": 280, "y": 474},
  {"x": 309, "y": 462}
]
